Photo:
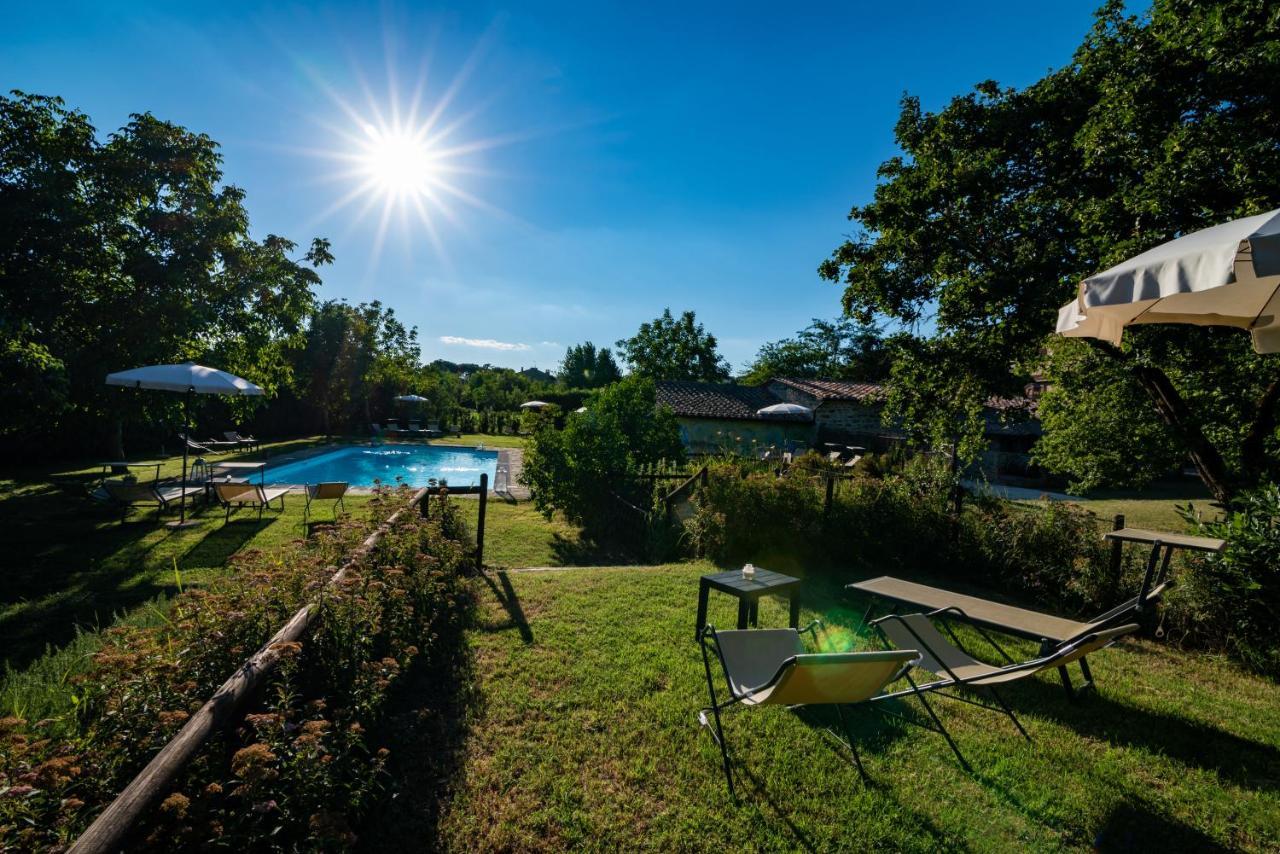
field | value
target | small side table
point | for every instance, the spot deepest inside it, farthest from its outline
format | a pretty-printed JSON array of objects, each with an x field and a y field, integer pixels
[{"x": 765, "y": 583}]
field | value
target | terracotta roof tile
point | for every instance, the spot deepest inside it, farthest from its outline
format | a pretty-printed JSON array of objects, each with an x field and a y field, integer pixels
[{"x": 714, "y": 400}]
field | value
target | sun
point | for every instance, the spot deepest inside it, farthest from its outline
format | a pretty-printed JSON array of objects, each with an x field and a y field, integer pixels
[{"x": 399, "y": 163}]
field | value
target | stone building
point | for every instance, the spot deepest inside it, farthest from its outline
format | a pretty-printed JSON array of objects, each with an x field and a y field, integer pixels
[{"x": 715, "y": 416}]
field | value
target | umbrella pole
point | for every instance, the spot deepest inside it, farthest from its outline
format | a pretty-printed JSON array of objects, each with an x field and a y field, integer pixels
[{"x": 186, "y": 446}]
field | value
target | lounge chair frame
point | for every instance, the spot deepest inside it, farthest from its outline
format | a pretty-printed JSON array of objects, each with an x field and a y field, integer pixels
[
  {"x": 1155, "y": 582},
  {"x": 259, "y": 496},
  {"x": 313, "y": 494},
  {"x": 1058, "y": 658},
  {"x": 710, "y": 645}
]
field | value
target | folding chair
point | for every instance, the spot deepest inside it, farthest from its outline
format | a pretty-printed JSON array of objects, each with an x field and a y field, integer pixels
[
  {"x": 769, "y": 667},
  {"x": 328, "y": 491}
]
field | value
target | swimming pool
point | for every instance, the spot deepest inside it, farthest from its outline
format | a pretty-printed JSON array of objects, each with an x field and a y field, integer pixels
[{"x": 414, "y": 464}]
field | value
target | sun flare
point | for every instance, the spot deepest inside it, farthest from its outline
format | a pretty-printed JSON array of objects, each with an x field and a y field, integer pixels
[{"x": 398, "y": 163}]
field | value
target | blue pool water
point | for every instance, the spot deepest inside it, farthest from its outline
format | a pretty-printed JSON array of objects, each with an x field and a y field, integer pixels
[{"x": 413, "y": 463}]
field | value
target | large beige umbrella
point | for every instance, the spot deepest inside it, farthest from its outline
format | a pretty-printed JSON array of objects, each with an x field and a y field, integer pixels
[
  {"x": 187, "y": 379},
  {"x": 1227, "y": 275}
]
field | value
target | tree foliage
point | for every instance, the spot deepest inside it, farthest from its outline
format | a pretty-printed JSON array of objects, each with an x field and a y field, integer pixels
[
  {"x": 351, "y": 355},
  {"x": 841, "y": 349},
  {"x": 127, "y": 252},
  {"x": 577, "y": 469},
  {"x": 669, "y": 349},
  {"x": 586, "y": 367},
  {"x": 1006, "y": 198}
]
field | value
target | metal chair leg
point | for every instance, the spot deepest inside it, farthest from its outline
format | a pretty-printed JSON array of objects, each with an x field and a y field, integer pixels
[
  {"x": 1008, "y": 711},
  {"x": 853, "y": 748},
  {"x": 719, "y": 733},
  {"x": 938, "y": 723}
]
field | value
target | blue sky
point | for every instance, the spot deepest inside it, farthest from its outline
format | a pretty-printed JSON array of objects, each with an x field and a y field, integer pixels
[{"x": 604, "y": 161}]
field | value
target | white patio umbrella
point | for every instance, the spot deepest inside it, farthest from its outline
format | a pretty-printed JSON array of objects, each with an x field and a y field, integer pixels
[
  {"x": 1227, "y": 275},
  {"x": 187, "y": 378},
  {"x": 534, "y": 404},
  {"x": 410, "y": 398},
  {"x": 792, "y": 411}
]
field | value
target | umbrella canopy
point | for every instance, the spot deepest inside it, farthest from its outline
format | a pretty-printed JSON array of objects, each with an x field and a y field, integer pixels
[
  {"x": 1227, "y": 275},
  {"x": 411, "y": 398},
  {"x": 187, "y": 377},
  {"x": 793, "y": 411},
  {"x": 534, "y": 404}
]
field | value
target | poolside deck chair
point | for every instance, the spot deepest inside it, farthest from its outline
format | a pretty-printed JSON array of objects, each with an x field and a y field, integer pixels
[
  {"x": 956, "y": 668},
  {"x": 244, "y": 441},
  {"x": 1051, "y": 632},
  {"x": 770, "y": 667},
  {"x": 328, "y": 491},
  {"x": 130, "y": 495},
  {"x": 433, "y": 429},
  {"x": 248, "y": 494}
]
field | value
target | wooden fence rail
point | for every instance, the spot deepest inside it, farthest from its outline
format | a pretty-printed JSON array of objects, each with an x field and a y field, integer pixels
[{"x": 111, "y": 826}]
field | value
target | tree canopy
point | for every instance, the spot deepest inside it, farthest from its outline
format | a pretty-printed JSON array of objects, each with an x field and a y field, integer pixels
[
  {"x": 1006, "y": 198},
  {"x": 576, "y": 469},
  {"x": 127, "y": 252},
  {"x": 586, "y": 367},
  {"x": 840, "y": 349},
  {"x": 669, "y": 349}
]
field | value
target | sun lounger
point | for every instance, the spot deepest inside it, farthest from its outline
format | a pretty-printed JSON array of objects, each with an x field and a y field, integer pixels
[
  {"x": 242, "y": 441},
  {"x": 956, "y": 668},
  {"x": 1052, "y": 632},
  {"x": 770, "y": 667},
  {"x": 249, "y": 494},
  {"x": 129, "y": 495},
  {"x": 329, "y": 491},
  {"x": 1022, "y": 622}
]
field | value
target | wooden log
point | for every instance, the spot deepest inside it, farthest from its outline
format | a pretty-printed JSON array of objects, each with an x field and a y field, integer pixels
[{"x": 110, "y": 828}]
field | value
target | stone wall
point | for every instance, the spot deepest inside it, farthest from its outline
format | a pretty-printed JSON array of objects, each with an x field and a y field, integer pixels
[{"x": 712, "y": 435}]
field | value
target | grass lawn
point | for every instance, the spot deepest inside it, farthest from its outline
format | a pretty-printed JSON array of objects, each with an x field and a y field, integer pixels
[
  {"x": 1153, "y": 507},
  {"x": 71, "y": 567},
  {"x": 517, "y": 535},
  {"x": 583, "y": 734},
  {"x": 489, "y": 440}
]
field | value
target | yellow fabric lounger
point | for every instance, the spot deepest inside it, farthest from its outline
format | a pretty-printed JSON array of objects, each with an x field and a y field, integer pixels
[
  {"x": 326, "y": 491},
  {"x": 770, "y": 667}
]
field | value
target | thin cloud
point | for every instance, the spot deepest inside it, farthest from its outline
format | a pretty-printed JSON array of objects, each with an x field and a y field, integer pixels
[
  {"x": 550, "y": 343},
  {"x": 483, "y": 343}
]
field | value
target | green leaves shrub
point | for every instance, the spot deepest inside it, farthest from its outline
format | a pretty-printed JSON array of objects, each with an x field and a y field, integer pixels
[{"x": 300, "y": 772}]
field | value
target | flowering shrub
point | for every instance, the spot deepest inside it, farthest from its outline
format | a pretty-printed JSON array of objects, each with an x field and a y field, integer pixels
[{"x": 299, "y": 771}]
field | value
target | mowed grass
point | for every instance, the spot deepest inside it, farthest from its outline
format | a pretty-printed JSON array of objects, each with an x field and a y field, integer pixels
[
  {"x": 489, "y": 440},
  {"x": 518, "y": 535},
  {"x": 584, "y": 735},
  {"x": 72, "y": 569},
  {"x": 1154, "y": 507}
]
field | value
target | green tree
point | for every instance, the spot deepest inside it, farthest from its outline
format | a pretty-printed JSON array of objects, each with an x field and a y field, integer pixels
[
  {"x": 576, "y": 469},
  {"x": 352, "y": 355},
  {"x": 586, "y": 367},
  {"x": 1005, "y": 199},
  {"x": 670, "y": 349},
  {"x": 127, "y": 252},
  {"x": 840, "y": 349}
]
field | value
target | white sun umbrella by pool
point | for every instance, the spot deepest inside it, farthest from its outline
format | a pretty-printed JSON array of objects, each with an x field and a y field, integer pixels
[
  {"x": 792, "y": 411},
  {"x": 1227, "y": 275},
  {"x": 534, "y": 404},
  {"x": 410, "y": 398},
  {"x": 188, "y": 379}
]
